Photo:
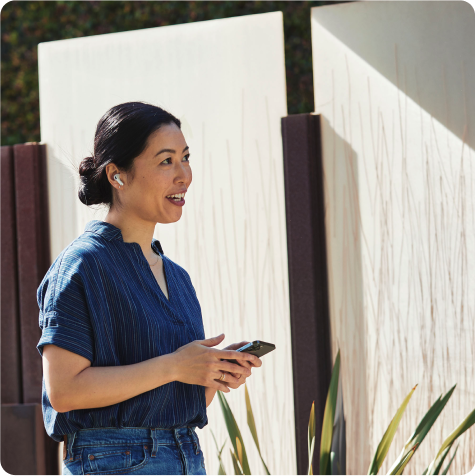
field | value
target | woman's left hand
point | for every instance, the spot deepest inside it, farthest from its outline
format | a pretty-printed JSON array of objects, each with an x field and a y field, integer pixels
[{"x": 243, "y": 363}]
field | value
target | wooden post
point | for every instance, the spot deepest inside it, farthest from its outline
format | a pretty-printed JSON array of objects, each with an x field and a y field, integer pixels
[{"x": 307, "y": 264}]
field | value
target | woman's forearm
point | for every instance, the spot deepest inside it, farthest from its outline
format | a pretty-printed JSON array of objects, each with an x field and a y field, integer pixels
[
  {"x": 96, "y": 387},
  {"x": 210, "y": 394}
]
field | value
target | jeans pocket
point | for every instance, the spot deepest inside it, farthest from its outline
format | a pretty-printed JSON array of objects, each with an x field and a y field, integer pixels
[{"x": 114, "y": 459}]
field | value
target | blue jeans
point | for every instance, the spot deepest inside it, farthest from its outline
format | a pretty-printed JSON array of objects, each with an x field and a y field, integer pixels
[{"x": 133, "y": 451}]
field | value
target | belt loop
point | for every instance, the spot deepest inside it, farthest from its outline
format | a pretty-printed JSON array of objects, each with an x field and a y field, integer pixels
[
  {"x": 71, "y": 437},
  {"x": 153, "y": 435},
  {"x": 194, "y": 439}
]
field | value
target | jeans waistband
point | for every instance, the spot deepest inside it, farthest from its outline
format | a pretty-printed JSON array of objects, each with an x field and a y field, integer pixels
[{"x": 134, "y": 435}]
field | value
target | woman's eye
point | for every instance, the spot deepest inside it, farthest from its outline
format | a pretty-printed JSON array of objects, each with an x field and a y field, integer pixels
[{"x": 170, "y": 158}]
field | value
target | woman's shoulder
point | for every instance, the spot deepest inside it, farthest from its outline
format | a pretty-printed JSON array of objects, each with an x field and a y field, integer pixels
[
  {"x": 84, "y": 248},
  {"x": 79, "y": 255}
]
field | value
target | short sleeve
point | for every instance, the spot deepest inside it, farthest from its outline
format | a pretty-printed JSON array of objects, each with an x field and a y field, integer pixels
[{"x": 64, "y": 314}]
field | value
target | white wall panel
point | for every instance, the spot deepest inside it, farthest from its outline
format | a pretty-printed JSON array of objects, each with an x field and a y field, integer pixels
[
  {"x": 225, "y": 79},
  {"x": 399, "y": 197}
]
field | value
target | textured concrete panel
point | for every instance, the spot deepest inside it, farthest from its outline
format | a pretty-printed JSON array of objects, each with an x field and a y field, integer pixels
[
  {"x": 399, "y": 194},
  {"x": 225, "y": 79}
]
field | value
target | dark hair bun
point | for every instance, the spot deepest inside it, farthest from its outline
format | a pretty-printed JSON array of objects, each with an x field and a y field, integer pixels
[
  {"x": 86, "y": 167},
  {"x": 89, "y": 190}
]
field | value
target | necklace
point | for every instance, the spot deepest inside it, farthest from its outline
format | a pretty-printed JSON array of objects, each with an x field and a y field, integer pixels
[{"x": 155, "y": 262}]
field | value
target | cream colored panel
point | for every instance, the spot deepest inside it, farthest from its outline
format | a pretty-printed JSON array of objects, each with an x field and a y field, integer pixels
[
  {"x": 225, "y": 79},
  {"x": 399, "y": 195}
]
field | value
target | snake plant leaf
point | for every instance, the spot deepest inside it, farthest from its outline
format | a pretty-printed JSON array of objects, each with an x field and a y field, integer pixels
[
  {"x": 252, "y": 425},
  {"x": 328, "y": 420},
  {"x": 234, "y": 433},
  {"x": 311, "y": 433},
  {"x": 221, "y": 468},
  {"x": 386, "y": 441},
  {"x": 240, "y": 451},
  {"x": 236, "y": 466},
  {"x": 428, "y": 420},
  {"x": 311, "y": 451},
  {"x": 399, "y": 466},
  {"x": 442, "y": 457},
  {"x": 250, "y": 417},
  {"x": 338, "y": 447},
  {"x": 435, "y": 465},
  {"x": 451, "y": 460},
  {"x": 420, "y": 433}
]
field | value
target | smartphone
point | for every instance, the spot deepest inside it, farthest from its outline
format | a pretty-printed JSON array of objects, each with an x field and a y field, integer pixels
[{"x": 257, "y": 347}]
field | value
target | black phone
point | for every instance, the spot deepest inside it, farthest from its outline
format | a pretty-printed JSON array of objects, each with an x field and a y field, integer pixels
[{"x": 257, "y": 347}]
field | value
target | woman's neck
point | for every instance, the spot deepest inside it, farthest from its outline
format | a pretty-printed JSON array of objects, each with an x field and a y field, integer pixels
[{"x": 134, "y": 230}]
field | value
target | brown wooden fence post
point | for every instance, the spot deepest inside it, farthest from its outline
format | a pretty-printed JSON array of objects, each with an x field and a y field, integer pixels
[
  {"x": 307, "y": 264},
  {"x": 25, "y": 261}
]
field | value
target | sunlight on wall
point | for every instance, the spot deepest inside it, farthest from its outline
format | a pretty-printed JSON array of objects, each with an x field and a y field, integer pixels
[
  {"x": 225, "y": 79},
  {"x": 399, "y": 197}
]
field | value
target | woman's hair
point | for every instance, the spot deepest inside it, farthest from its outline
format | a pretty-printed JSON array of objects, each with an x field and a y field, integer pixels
[{"x": 121, "y": 135}]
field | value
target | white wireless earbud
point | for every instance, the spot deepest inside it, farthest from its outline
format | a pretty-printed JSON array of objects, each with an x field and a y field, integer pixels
[{"x": 117, "y": 179}]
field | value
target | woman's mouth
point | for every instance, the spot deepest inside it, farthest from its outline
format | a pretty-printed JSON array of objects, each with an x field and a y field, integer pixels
[{"x": 177, "y": 201}]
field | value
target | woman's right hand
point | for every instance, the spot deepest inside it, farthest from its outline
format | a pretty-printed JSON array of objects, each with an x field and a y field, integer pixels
[{"x": 197, "y": 363}]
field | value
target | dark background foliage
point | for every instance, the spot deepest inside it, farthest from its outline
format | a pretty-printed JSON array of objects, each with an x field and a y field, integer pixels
[{"x": 24, "y": 24}]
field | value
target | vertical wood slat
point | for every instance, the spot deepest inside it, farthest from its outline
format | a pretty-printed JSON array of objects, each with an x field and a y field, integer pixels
[
  {"x": 308, "y": 285},
  {"x": 25, "y": 260},
  {"x": 23, "y": 439},
  {"x": 11, "y": 355},
  {"x": 33, "y": 256}
]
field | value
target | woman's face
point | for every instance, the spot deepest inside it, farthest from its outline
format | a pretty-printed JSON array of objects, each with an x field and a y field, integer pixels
[{"x": 158, "y": 173}]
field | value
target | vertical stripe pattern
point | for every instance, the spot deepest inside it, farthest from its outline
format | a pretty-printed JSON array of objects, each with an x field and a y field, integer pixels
[{"x": 100, "y": 299}]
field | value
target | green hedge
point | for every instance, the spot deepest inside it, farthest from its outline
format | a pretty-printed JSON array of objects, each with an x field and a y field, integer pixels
[{"x": 24, "y": 24}]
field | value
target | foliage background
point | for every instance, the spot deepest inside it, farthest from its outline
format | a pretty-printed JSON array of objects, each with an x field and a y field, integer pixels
[{"x": 24, "y": 24}]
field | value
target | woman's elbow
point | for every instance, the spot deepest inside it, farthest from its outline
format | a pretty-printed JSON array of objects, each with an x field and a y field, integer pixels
[{"x": 60, "y": 403}]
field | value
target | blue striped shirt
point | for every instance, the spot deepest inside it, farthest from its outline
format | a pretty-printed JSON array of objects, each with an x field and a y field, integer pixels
[{"x": 100, "y": 299}]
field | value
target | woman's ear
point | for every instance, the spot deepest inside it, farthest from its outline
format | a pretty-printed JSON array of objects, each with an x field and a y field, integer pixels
[{"x": 111, "y": 172}]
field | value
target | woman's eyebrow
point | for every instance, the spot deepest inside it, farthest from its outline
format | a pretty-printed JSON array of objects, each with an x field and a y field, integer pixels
[{"x": 172, "y": 151}]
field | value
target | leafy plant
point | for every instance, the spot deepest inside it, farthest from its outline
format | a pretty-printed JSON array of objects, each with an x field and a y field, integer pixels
[{"x": 332, "y": 450}]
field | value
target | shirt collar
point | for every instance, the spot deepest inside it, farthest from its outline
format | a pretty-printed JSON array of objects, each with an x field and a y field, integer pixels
[
  {"x": 104, "y": 229},
  {"x": 111, "y": 232}
]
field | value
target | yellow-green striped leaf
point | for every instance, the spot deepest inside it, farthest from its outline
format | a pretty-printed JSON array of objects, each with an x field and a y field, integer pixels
[
  {"x": 384, "y": 445},
  {"x": 435, "y": 465},
  {"x": 311, "y": 434},
  {"x": 221, "y": 468},
  {"x": 252, "y": 425},
  {"x": 451, "y": 460},
  {"x": 234, "y": 433},
  {"x": 328, "y": 421},
  {"x": 236, "y": 466},
  {"x": 420, "y": 433}
]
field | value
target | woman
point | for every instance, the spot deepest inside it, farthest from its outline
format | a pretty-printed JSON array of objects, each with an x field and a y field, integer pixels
[{"x": 127, "y": 371}]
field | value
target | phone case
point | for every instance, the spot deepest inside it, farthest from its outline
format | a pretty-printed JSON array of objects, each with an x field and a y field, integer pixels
[{"x": 257, "y": 347}]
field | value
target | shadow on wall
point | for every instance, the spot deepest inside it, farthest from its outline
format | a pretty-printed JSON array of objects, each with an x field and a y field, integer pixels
[
  {"x": 62, "y": 178},
  {"x": 442, "y": 70},
  {"x": 345, "y": 278}
]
